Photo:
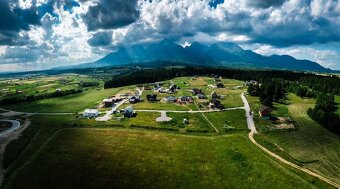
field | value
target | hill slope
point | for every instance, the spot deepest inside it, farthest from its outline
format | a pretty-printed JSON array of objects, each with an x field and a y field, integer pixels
[{"x": 218, "y": 54}]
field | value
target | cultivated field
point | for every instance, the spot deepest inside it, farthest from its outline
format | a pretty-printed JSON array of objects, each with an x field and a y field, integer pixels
[{"x": 309, "y": 145}]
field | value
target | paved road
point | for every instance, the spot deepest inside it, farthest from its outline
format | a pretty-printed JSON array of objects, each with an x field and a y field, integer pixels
[
  {"x": 15, "y": 125},
  {"x": 191, "y": 111},
  {"x": 14, "y": 113},
  {"x": 251, "y": 126},
  {"x": 250, "y": 121},
  {"x": 107, "y": 116}
]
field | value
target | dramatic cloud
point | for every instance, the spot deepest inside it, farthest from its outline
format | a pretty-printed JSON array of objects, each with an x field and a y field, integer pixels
[
  {"x": 108, "y": 14},
  {"x": 15, "y": 19},
  {"x": 47, "y": 33},
  {"x": 101, "y": 39}
]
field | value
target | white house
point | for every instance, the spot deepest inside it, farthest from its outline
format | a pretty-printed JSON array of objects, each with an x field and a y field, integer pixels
[{"x": 90, "y": 113}]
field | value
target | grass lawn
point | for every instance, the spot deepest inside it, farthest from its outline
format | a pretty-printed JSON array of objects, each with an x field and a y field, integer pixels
[
  {"x": 233, "y": 120},
  {"x": 71, "y": 103},
  {"x": 120, "y": 158},
  {"x": 147, "y": 120},
  {"x": 145, "y": 105},
  {"x": 310, "y": 145}
]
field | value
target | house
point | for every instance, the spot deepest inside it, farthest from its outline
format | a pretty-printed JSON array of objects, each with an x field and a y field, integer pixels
[
  {"x": 201, "y": 96},
  {"x": 172, "y": 88},
  {"x": 265, "y": 112},
  {"x": 216, "y": 104},
  {"x": 196, "y": 91},
  {"x": 217, "y": 80},
  {"x": 185, "y": 99},
  {"x": 162, "y": 90},
  {"x": 129, "y": 112},
  {"x": 108, "y": 102},
  {"x": 214, "y": 95},
  {"x": 219, "y": 85},
  {"x": 90, "y": 113},
  {"x": 251, "y": 82},
  {"x": 169, "y": 99},
  {"x": 151, "y": 97},
  {"x": 135, "y": 99}
]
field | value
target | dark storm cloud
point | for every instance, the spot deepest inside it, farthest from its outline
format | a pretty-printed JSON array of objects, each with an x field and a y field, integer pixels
[
  {"x": 109, "y": 14},
  {"x": 21, "y": 55},
  {"x": 13, "y": 20},
  {"x": 100, "y": 39},
  {"x": 264, "y": 3}
]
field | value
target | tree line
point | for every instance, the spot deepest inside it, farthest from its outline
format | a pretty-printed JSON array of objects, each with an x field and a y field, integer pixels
[
  {"x": 154, "y": 75},
  {"x": 324, "y": 112},
  {"x": 33, "y": 97}
]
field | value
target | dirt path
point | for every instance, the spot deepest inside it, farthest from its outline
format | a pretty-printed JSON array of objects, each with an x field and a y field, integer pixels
[
  {"x": 251, "y": 137},
  {"x": 6, "y": 139},
  {"x": 252, "y": 128},
  {"x": 205, "y": 117}
]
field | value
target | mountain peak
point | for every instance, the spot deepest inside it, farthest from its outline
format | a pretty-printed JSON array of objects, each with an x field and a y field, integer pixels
[
  {"x": 217, "y": 54},
  {"x": 229, "y": 47}
]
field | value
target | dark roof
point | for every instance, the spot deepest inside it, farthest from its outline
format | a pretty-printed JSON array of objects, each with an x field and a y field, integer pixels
[
  {"x": 186, "y": 98},
  {"x": 264, "y": 108}
]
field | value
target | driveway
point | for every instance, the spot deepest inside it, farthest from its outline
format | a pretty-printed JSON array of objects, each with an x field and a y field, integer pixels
[{"x": 163, "y": 117}]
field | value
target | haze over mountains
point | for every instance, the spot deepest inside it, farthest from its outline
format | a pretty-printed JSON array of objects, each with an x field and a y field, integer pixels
[{"x": 218, "y": 54}]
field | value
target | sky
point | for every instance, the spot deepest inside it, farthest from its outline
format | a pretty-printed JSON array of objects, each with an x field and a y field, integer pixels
[{"x": 41, "y": 34}]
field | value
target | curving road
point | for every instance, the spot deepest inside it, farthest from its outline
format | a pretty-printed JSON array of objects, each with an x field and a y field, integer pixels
[
  {"x": 15, "y": 125},
  {"x": 250, "y": 121},
  {"x": 251, "y": 126}
]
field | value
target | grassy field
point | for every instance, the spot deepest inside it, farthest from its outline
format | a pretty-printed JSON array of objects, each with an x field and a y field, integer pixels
[
  {"x": 117, "y": 158},
  {"x": 227, "y": 121},
  {"x": 147, "y": 120},
  {"x": 71, "y": 103},
  {"x": 309, "y": 145},
  {"x": 43, "y": 85},
  {"x": 337, "y": 101}
]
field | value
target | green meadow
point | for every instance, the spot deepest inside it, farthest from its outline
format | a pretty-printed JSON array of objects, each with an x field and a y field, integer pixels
[{"x": 117, "y": 158}]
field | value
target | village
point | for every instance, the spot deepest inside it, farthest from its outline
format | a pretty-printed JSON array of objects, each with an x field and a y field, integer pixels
[{"x": 195, "y": 95}]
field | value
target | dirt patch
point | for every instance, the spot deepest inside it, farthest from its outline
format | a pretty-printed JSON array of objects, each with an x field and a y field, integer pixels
[{"x": 285, "y": 123}]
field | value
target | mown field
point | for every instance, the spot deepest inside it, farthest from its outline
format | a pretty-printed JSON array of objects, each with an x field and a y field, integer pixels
[
  {"x": 42, "y": 84},
  {"x": 117, "y": 158},
  {"x": 309, "y": 145},
  {"x": 72, "y": 103}
]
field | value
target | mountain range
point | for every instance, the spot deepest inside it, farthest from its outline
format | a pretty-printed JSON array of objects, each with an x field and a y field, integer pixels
[{"x": 222, "y": 54}]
